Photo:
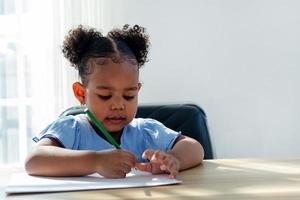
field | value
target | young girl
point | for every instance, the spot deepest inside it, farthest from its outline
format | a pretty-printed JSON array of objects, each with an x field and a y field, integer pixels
[{"x": 108, "y": 67}]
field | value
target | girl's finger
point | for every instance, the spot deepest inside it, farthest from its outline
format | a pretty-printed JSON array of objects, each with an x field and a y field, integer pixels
[
  {"x": 148, "y": 153},
  {"x": 156, "y": 168},
  {"x": 159, "y": 155},
  {"x": 163, "y": 167},
  {"x": 144, "y": 166},
  {"x": 172, "y": 168}
]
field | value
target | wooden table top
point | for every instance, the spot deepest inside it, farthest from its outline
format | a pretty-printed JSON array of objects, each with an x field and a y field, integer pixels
[{"x": 214, "y": 179}]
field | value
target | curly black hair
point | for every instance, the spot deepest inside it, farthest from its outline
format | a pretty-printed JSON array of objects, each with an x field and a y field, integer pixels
[{"x": 82, "y": 43}]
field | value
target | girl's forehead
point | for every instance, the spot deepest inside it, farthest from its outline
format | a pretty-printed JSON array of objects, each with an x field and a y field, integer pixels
[
  {"x": 111, "y": 71},
  {"x": 115, "y": 77}
]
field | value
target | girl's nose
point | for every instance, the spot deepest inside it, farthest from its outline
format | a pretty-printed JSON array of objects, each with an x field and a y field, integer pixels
[{"x": 118, "y": 104}]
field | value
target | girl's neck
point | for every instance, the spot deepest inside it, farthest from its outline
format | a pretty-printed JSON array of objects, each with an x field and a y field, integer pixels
[{"x": 116, "y": 135}]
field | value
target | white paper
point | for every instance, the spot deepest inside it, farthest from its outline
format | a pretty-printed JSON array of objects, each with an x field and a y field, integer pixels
[{"x": 23, "y": 183}]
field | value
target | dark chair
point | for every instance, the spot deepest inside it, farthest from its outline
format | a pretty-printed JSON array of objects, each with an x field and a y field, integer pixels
[{"x": 190, "y": 119}]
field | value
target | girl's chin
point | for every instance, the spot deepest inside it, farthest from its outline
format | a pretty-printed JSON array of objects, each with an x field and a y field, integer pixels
[{"x": 114, "y": 128}]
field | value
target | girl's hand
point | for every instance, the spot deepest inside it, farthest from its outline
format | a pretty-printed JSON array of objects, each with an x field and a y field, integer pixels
[
  {"x": 159, "y": 162},
  {"x": 114, "y": 163}
]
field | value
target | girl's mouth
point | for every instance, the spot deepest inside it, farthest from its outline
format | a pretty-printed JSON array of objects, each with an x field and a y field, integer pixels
[{"x": 115, "y": 120}]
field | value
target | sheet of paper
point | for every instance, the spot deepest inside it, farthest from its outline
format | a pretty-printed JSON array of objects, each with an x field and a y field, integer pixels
[{"x": 23, "y": 183}]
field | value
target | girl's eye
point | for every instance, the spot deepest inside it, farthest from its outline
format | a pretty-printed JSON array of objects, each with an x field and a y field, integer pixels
[
  {"x": 104, "y": 97},
  {"x": 128, "y": 98}
]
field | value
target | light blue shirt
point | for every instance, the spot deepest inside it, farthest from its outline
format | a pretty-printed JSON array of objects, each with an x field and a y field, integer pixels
[{"x": 75, "y": 132}]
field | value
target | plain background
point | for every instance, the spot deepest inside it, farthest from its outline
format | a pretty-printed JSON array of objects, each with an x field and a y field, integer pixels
[{"x": 237, "y": 59}]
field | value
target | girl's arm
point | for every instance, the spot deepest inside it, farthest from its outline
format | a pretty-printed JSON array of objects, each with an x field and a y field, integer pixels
[
  {"x": 186, "y": 153},
  {"x": 189, "y": 152},
  {"x": 50, "y": 159}
]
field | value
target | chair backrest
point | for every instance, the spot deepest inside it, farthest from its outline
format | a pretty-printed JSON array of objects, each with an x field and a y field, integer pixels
[{"x": 190, "y": 119}]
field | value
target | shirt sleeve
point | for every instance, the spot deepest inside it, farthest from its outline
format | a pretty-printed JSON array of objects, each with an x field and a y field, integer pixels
[
  {"x": 158, "y": 136},
  {"x": 65, "y": 130}
]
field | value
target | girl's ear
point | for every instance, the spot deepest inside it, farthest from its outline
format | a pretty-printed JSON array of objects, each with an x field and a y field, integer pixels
[
  {"x": 139, "y": 86},
  {"x": 79, "y": 93}
]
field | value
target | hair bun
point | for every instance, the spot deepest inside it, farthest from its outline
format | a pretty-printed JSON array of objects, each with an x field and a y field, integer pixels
[
  {"x": 136, "y": 39},
  {"x": 77, "y": 43}
]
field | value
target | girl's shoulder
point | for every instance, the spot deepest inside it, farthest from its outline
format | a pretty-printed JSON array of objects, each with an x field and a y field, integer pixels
[
  {"x": 142, "y": 123},
  {"x": 148, "y": 126},
  {"x": 68, "y": 122},
  {"x": 66, "y": 130},
  {"x": 80, "y": 118},
  {"x": 152, "y": 133}
]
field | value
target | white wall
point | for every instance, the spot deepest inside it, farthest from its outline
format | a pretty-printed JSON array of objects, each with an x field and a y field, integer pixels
[{"x": 238, "y": 59}]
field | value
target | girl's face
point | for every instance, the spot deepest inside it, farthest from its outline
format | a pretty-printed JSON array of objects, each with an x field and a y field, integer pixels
[{"x": 112, "y": 93}]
